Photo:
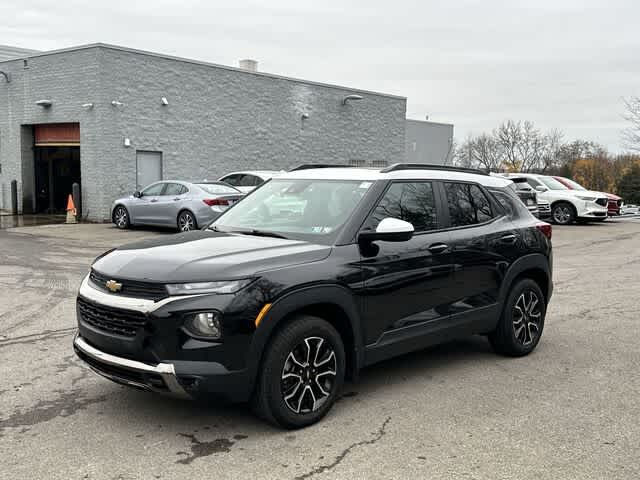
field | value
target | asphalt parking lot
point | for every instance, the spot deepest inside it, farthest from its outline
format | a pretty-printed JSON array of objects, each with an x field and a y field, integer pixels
[{"x": 570, "y": 410}]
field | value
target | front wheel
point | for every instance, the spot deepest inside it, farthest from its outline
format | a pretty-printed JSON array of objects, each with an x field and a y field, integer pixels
[
  {"x": 302, "y": 373},
  {"x": 563, "y": 213},
  {"x": 187, "y": 221},
  {"x": 522, "y": 320},
  {"x": 121, "y": 217}
]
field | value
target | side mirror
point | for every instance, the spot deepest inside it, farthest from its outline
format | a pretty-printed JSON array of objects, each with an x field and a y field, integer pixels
[
  {"x": 389, "y": 230},
  {"x": 137, "y": 194},
  {"x": 540, "y": 188}
]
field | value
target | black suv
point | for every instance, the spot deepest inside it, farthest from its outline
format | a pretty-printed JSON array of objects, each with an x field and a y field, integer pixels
[{"x": 313, "y": 276}]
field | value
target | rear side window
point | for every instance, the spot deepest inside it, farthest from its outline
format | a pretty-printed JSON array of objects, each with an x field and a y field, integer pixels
[
  {"x": 468, "y": 204},
  {"x": 174, "y": 189},
  {"x": 412, "y": 202},
  {"x": 250, "y": 181},
  {"x": 232, "y": 179},
  {"x": 513, "y": 206}
]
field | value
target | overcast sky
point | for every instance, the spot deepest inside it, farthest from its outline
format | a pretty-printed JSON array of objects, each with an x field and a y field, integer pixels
[{"x": 564, "y": 64}]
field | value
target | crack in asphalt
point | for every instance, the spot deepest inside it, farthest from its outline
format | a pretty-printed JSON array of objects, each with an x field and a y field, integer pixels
[
  {"x": 204, "y": 449},
  {"x": 324, "y": 468},
  {"x": 38, "y": 337}
]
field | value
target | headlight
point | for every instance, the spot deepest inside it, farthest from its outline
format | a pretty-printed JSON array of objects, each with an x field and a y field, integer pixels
[
  {"x": 231, "y": 286},
  {"x": 205, "y": 324},
  {"x": 586, "y": 199}
]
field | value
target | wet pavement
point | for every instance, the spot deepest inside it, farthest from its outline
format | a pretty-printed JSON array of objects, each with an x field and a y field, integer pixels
[
  {"x": 13, "y": 221},
  {"x": 568, "y": 411}
]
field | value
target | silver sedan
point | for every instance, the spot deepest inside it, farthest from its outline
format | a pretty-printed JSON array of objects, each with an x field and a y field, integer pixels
[{"x": 171, "y": 203}]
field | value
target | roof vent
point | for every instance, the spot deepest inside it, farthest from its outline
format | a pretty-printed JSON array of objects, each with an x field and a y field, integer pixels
[{"x": 248, "y": 64}]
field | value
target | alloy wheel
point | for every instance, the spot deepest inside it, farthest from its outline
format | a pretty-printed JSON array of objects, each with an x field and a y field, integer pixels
[
  {"x": 121, "y": 217},
  {"x": 308, "y": 376},
  {"x": 186, "y": 222},
  {"x": 562, "y": 214},
  {"x": 527, "y": 316}
]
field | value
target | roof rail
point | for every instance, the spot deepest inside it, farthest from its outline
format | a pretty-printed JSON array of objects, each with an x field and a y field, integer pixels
[
  {"x": 427, "y": 166},
  {"x": 310, "y": 166}
]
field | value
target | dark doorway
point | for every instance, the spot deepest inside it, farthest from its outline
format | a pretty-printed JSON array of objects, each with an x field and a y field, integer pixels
[{"x": 56, "y": 170}]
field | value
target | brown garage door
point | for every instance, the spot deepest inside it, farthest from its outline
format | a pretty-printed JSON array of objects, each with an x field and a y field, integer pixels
[{"x": 57, "y": 135}]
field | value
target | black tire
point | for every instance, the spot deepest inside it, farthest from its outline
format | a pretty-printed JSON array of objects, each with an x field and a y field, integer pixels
[
  {"x": 517, "y": 335},
  {"x": 187, "y": 221},
  {"x": 296, "y": 338},
  {"x": 121, "y": 217},
  {"x": 563, "y": 213}
]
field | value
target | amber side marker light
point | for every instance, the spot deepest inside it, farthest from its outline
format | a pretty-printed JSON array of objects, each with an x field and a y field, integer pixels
[{"x": 262, "y": 313}]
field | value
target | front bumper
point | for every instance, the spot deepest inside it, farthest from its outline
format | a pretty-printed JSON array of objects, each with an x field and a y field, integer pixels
[
  {"x": 158, "y": 355},
  {"x": 159, "y": 378}
]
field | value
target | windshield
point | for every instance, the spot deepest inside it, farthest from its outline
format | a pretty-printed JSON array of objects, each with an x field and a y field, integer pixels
[
  {"x": 573, "y": 185},
  {"x": 552, "y": 183},
  {"x": 312, "y": 210},
  {"x": 217, "y": 188}
]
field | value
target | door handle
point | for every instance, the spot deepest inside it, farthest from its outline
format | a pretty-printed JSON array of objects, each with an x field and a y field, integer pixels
[
  {"x": 153, "y": 200},
  {"x": 176, "y": 199},
  {"x": 509, "y": 238},
  {"x": 438, "y": 247}
]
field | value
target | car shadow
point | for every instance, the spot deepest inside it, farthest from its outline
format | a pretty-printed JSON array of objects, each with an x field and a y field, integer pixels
[{"x": 179, "y": 417}]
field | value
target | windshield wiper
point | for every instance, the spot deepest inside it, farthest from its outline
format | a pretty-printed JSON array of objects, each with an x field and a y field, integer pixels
[{"x": 259, "y": 233}]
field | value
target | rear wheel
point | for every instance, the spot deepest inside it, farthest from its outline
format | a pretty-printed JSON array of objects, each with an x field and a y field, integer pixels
[
  {"x": 121, "y": 217},
  {"x": 522, "y": 321},
  {"x": 187, "y": 221},
  {"x": 302, "y": 373},
  {"x": 563, "y": 213}
]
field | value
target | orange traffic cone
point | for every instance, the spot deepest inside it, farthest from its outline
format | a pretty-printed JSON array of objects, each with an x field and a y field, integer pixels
[{"x": 71, "y": 211}]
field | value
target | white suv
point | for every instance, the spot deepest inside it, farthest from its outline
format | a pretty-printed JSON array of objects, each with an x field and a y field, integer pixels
[{"x": 567, "y": 205}]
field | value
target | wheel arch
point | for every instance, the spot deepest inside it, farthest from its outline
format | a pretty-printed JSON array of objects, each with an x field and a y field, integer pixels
[
  {"x": 333, "y": 303},
  {"x": 567, "y": 201},
  {"x": 181, "y": 211},
  {"x": 113, "y": 212},
  {"x": 535, "y": 266}
]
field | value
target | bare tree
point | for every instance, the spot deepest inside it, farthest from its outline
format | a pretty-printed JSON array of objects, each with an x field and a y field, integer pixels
[
  {"x": 479, "y": 152},
  {"x": 631, "y": 134}
]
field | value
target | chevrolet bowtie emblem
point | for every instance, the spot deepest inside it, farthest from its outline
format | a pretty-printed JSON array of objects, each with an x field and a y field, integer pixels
[{"x": 113, "y": 286}]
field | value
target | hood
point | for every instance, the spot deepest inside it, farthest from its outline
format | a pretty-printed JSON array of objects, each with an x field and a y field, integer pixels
[
  {"x": 206, "y": 256},
  {"x": 611, "y": 196}
]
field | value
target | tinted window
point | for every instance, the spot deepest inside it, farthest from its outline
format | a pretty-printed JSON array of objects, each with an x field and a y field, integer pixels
[
  {"x": 534, "y": 183},
  {"x": 250, "y": 181},
  {"x": 468, "y": 205},
  {"x": 552, "y": 183},
  {"x": 513, "y": 206},
  {"x": 232, "y": 180},
  {"x": 174, "y": 189},
  {"x": 155, "y": 189},
  {"x": 411, "y": 202}
]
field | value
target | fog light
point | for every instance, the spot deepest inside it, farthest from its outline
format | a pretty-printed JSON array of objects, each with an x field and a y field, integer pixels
[{"x": 205, "y": 324}]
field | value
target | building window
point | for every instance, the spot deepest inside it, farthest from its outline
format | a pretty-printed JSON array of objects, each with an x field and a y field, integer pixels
[
  {"x": 357, "y": 163},
  {"x": 379, "y": 163}
]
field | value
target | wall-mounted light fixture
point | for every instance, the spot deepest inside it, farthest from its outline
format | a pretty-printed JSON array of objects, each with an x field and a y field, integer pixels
[
  {"x": 116, "y": 103},
  {"x": 7, "y": 76},
  {"x": 305, "y": 116},
  {"x": 88, "y": 106},
  {"x": 127, "y": 142},
  {"x": 351, "y": 97},
  {"x": 164, "y": 101},
  {"x": 44, "y": 103}
]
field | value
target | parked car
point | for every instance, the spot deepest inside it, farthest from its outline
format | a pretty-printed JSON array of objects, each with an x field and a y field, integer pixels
[
  {"x": 527, "y": 194},
  {"x": 544, "y": 209},
  {"x": 614, "y": 201},
  {"x": 247, "y": 181},
  {"x": 630, "y": 209},
  {"x": 567, "y": 206},
  {"x": 278, "y": 308},
  {"x": 172, "y": 203}
]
